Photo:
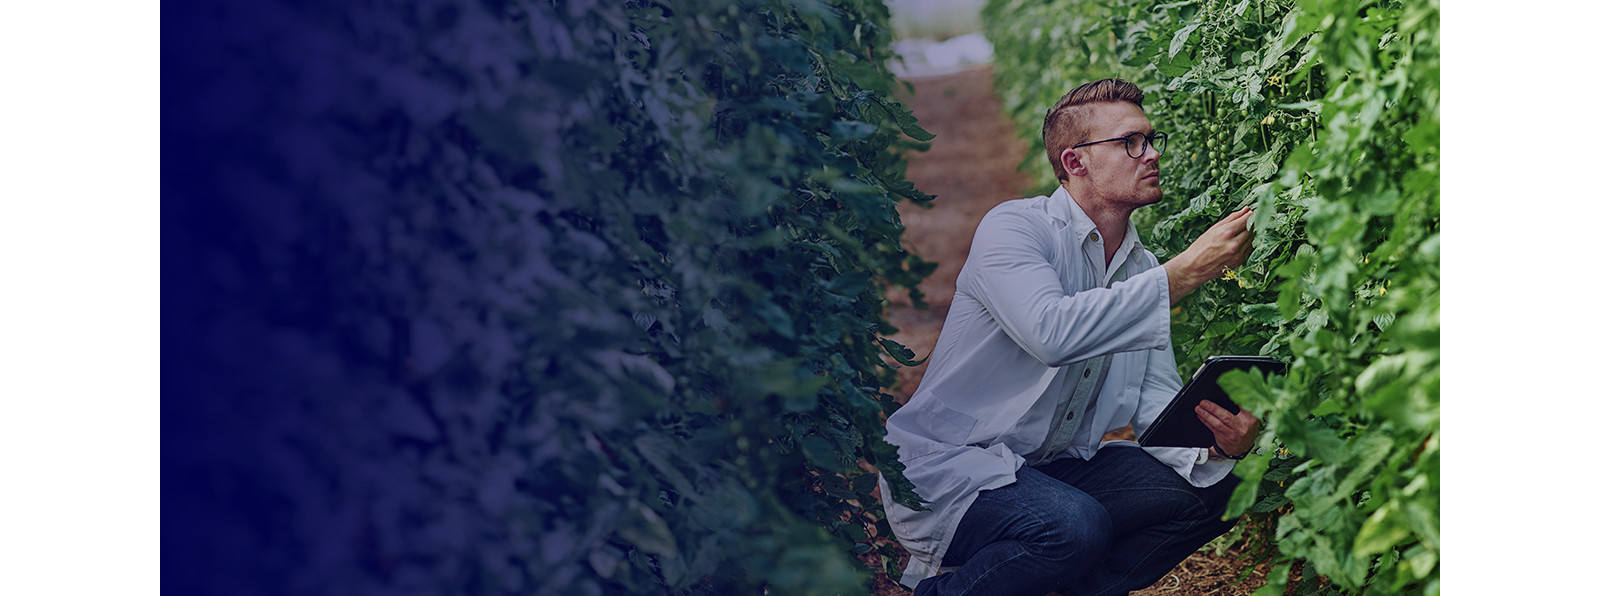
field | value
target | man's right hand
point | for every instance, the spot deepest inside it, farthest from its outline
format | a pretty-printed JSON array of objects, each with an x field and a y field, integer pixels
[{"x": 1224, "y": 246}]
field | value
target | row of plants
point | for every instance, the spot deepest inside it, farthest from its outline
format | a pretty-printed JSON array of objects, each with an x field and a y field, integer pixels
[
  {"x": 518, "y": 296},
  {"x": 1324, "y": 116}
]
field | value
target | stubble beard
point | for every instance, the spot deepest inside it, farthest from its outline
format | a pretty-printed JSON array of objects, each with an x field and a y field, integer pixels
[{"x": 1142, "y": 196}]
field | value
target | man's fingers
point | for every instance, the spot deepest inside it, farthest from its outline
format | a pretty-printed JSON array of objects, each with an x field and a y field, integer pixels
[
  {"x": 1248, "y": 418},
  {"x": 1233, "y": 431},
  {"x": 1218, "y": 418},
  {"x": 1214, "y": 417},
  {"x": 1213, "y": 423},
  {"x": 1237, "y": 224},
  {"x": 1220, "y": 432},
  {"x": 1233, "y": 222}
]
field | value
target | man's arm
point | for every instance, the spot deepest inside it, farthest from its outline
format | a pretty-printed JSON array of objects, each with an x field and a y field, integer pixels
[
  {"x": 1012, "y": 272},
  {"x": 1225, "y": 245}
]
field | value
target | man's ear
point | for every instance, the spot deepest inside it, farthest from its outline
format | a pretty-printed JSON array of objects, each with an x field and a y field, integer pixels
[{"x": 1071, "y": 163}]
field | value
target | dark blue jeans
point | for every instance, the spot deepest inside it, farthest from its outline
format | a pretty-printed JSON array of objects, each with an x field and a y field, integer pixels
[{"x": 1113, "y": 524}]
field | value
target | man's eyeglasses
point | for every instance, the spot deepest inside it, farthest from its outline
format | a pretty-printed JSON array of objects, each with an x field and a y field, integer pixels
[{"x": 1138, "y": 140}]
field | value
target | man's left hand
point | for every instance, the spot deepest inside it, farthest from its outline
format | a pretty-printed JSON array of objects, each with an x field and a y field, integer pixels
[{"x": 1235, "y": 433}]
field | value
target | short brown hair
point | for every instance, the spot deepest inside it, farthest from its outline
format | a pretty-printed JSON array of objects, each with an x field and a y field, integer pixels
[{"x": 1067, "y": 122}]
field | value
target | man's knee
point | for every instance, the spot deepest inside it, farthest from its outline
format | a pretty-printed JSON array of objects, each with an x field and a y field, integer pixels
[
  {"x": 1213, "y": 504},
  {"x": 1077, "y": 528},
  {"x": 1217, "y": 495}
]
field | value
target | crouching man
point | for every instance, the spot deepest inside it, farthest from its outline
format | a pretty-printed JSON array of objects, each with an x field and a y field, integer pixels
[{"x": 1059, "y": 332}]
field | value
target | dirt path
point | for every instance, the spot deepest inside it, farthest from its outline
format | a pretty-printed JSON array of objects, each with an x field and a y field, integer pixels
[{"x": 971, "y": 167}]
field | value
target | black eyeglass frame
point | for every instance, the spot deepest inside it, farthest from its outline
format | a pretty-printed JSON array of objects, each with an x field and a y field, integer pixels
[{"x": 1127, "y": 145}]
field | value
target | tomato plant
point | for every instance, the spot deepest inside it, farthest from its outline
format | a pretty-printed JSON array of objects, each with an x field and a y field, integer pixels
[
  {"x": 531, "y": 297},
  {"x": 1324, "y": 117}
]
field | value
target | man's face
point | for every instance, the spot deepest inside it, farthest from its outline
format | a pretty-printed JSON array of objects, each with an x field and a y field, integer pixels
[{"x": 1114, "y": 177}]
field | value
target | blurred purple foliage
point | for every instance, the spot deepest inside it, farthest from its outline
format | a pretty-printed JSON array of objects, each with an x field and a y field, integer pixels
[{"x": 523, "y": 297}]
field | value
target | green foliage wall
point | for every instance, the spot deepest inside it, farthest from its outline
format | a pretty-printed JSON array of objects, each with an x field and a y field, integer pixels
[
  {"x": 534, "y": 297},
  {"x": 1324, "y": 116}
]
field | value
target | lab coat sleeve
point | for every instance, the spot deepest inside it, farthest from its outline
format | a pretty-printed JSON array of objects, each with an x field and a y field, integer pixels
[{"x": 1011, "y": 274}]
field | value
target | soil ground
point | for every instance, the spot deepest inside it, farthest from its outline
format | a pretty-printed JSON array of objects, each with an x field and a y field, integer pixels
[{"x": 971, "y": 167}]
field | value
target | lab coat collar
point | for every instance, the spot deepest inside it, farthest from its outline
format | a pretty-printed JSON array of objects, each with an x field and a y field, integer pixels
[{"x": 1066, "y": 210}]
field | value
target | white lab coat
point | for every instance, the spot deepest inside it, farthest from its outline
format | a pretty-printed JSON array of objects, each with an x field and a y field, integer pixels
[{"x": 1045, "y": 350}]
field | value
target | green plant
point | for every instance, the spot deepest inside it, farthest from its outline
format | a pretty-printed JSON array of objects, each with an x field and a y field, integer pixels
[
  {"x": 1324, "y": 116},
  {"x": 538, "y": 296}
]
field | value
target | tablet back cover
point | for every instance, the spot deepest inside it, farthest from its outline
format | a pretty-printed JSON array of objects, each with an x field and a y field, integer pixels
[{"x": 1178, "y": 425}]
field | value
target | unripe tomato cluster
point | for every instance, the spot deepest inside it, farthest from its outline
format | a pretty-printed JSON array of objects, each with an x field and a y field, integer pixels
[
  {"x": 1211, "y": 155},
  {"x": 1216, "y": 153},
  {"x": 1295, "y": 123}
]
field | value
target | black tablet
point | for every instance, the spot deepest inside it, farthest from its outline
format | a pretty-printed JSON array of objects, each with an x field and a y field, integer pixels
[{"x": 1178, "y": 425}]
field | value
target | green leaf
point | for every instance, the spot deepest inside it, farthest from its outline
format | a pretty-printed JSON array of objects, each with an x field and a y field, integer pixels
[
  {"x": 1381, "y": 373},
  {"x": 1265, "y": 314},
  {"x": 1180, "y": 38},
  {"x": 1288, "y": 299},
  {"x": 1270, "y": 503},
  {"x": 1323, "y": 443},
  {"x": 1277, "y": 580},
  {"x": 1246, "y": 388},
  {"x": 850, "y": 130},
  {"x": 864, "y": 483},
  {"x": 917, "y": 132},
  {"x": 645, "y": 529},
  {"x": 900, "y": 353},
  {"x": 1421, "y": 560},
  {"x": 1176, "y": 65},
  {"x": 1380, "y": 532},
  {"x": 1257, "y": 166},
  {"x": 659, "y": 450},
  {"x": 1250, "y": 471},
  {"x": 907, "y": 122},
  {"x": 821, "y": 453}
]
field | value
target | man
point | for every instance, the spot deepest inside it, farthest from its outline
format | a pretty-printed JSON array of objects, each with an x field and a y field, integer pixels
[{"x": 1059, "y": 333}]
